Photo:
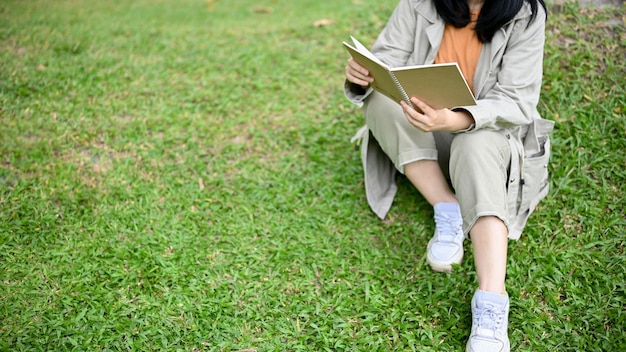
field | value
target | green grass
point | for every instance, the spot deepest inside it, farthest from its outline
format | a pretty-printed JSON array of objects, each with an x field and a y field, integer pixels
[{"x": 177, "y": 175}]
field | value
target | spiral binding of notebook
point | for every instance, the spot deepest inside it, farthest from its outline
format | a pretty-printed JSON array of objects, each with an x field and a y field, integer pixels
[{"x": 405, "y": 96}]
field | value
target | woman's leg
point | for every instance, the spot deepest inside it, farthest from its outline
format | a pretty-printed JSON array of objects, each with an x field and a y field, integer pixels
[
  {"x": 479, "y": 171},
  {"x": 403, "y": 143},
  {"x": 489, "y": 241},
  {"x": 415, "y": 154},
  {"x": 431, "y": 178},
  {"x": 427, "y": 177}
]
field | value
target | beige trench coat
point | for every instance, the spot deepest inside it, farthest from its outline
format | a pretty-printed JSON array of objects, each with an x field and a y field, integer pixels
[{"x": 507, "y": 84}]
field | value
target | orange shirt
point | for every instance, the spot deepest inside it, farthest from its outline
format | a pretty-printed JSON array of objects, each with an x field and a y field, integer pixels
[{"x": 461, "y": 45}]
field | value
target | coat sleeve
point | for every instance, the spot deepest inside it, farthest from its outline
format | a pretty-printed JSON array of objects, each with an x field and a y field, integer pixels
[{"x": 512, "y": 99}]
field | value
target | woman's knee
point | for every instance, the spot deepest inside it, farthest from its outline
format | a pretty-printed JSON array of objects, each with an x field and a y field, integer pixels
[
  {"x": 479, "y": 157},
  {"x": 479, "y": 147}
]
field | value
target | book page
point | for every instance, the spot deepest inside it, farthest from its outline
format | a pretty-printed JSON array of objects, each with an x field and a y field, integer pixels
[{"x": 363, "y": 50}]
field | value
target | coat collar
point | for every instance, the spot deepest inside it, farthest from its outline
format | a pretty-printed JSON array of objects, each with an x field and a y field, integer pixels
[{"x": 427, "y": 9}]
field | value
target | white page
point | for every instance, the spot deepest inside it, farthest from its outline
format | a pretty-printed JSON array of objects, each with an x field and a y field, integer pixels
[{"x": 363, "y": 50}]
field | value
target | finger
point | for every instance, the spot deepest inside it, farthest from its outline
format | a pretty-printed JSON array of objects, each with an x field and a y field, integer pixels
[
  {"x": 358, "y": 68},
  {"x": 414, "y": 117},
  {"x": 358, "y": 78},
  {"x": 360, "y": 73},
  {"x": 417, "y": 119},
  {"x": 422, "y": 106},
  {"x": 350, "y": 76},
  {"x": 413, "y": 111}
]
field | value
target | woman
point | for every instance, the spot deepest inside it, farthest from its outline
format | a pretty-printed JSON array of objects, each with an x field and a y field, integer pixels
[{"x": 494, "y": 154}]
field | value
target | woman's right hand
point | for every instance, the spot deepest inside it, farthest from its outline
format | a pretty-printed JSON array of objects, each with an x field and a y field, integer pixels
[{"x": 358, "y": 74}]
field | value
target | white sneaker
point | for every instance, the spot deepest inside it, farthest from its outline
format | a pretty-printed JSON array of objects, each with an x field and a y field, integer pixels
[
  {"x": 446, "y": 246},
  {"x": 490, "y": 321}
]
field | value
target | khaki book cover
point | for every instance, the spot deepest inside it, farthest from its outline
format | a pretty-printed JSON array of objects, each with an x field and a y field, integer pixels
[{"x": 438, "y": 85}]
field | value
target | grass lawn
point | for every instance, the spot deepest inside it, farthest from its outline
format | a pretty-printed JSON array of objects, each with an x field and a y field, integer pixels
[{"x": 177, "y": 176}]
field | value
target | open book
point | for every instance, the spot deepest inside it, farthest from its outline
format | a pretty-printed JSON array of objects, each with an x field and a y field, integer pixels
[{"x": 439, "y": 85}]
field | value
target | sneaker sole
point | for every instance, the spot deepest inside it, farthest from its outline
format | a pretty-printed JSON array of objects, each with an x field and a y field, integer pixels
[{"x": 441, "y": 268}]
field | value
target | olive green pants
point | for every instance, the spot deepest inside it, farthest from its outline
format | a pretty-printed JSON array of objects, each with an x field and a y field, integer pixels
[{"x": 476, "y": 163}]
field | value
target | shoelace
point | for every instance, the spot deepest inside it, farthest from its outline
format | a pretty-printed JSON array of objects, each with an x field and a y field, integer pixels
[
  {"x": 489, "y": 320},
  {"x": 446, "y": 228}
]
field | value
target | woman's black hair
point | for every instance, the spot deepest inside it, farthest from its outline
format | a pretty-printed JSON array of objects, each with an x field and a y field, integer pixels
[{"x": 493, "y": 15}]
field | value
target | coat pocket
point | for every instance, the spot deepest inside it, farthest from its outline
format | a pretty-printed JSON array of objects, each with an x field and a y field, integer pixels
[{"x": 535, "y": 183}]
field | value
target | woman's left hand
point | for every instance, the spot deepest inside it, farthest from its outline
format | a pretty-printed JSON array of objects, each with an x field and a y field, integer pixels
[{"x": 431, "y": 120}]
